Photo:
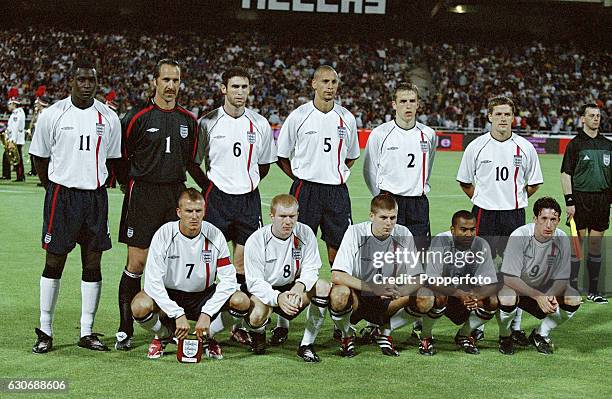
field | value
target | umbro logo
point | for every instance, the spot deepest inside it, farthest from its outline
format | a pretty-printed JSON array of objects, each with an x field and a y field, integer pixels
[
  {"x": 311, "y": 132},
  {"x": 152, "y": 130},
  {"x": 218, "y": 137},
  {"x": 586, "y": 158},
  {"x": 270, "y": 260},
  {"x": 486, "y": 161},
  {"x": 392, "y": 148},
  {"x": 173, "y": 256},
  {"x": 67, "y": 128}
]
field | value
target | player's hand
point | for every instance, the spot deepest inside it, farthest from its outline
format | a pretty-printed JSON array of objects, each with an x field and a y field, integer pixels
[
  {"x": 287, "y": 302},
  {"x": 468, "y": 300},
  {"x": 553, "y": 301},
  {"x": 202, "y": 328},
  {"x": 545, "y": 304},
  {"x": 570, "y": 211},
  {"x": 387, "y": 291},
  {"x": 182, "y": 327}
]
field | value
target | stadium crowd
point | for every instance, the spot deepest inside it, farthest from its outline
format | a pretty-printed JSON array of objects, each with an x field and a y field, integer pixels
[{"x": 548, "y": 83}]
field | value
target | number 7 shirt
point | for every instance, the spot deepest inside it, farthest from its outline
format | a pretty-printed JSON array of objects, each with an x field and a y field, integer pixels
[
  {"x": 178, "y": 262},
  {"x": 500, "y": 170}
]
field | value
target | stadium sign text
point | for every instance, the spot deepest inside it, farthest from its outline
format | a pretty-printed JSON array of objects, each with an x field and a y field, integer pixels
[{"x": 326, "y": 6}]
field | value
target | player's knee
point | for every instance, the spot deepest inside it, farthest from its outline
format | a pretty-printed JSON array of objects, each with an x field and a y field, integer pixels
[
  {"x": 92, "y": 270},
  {"x": 142, "y": 305},
  {"x": 258, "y": 316},
  {"x": 322, "y": 288},
  {"x": 239, "y": 301},
  {"x": 136, "y": 260},
  {"x": 441, "y": 301},
  {"x": 489, "y": 304},
  {"x": 507, "y": 297},
  {"x": 424, "y": 304},
  {"x": 339, "y": 297},
  {"x": 54, "y": 266},
  {"x": 571, "y": 300}
]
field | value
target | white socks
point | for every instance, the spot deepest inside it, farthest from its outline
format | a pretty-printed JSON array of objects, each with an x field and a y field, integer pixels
[
  {"x": 49, "y": 291},
  {"x": 90, "y": 297}
]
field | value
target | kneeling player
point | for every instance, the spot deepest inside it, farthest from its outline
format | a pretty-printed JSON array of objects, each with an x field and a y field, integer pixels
[
  {"x": 282, "y": 265},
  {"x": 186, "y": 256},
  {"x": 359, "y": 274},
  {"x": 536, "y": 272},
  {"x": 457, "y": 254}
]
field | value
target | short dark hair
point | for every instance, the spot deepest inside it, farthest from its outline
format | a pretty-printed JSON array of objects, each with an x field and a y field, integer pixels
[
  {"x": 500, "y": 100},
  {"x": 85, "y": 60},
  {"x": 462, "y": 214},
  {"x": 383, "y": 201},
  {"x": 584, "y": 107},
  {"x": 546, "y": 203},
  {"x": 406, "y": 86},
  {"x": 165, "y": 61},
  {"x": 190, "y": 194},
  {"x": 233, "y": 72}
]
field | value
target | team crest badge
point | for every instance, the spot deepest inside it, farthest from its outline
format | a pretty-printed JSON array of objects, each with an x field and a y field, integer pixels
[
  {"x": 606, "y": 159},
  {"x": 130, "y": 232},
  {"x": 183, "y": 131},
  {"x": 424, "y": 146},
  {"x": 206, "y": 256},
  {"x": 518, "y": 161},
  {"x": 296, "y": 253},
  {"x": 47, "y": 238},
  {"x": 341, "y": 132},
  {"x": 251, "y": 137},
  {"x": 99, "y": 129}
]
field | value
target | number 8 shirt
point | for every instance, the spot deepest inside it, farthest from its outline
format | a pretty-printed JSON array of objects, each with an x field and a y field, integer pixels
[{"x": 500, "y": 170}]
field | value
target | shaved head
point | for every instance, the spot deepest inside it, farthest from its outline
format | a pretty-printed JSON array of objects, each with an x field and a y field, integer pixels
[{"x": 323, "y": 68}]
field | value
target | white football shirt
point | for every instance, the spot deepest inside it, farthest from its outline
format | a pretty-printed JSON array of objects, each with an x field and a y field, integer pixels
[
  {"x": 78, "y": 143},
  {"x": 537, "y": 263},
  {"x": 271, "y": 262},
  {"x": 357, "y": 253},
  {"x": 318, "y": 143},
  {"x": 234, "y": 147},
  {"x": 190, "y": 265},
  {"x": 500, "y": 171},
  {"x": 399, "y": 161},
  {"x": 16, "y": 126}
]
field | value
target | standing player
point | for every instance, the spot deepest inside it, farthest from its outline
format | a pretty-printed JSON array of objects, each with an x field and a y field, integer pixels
[
  {"x": 185, "y": 259},
  {"x": 359, "y": 293},
  {"x": 398, "y": 160},
  {"x": 15, "y": 131},
  {"x": 282, "y": 265},
  {"x": 238, "y": 150},
  {"x": 160, "y": 144},
  {"x": 317, "y": 145},
  {"x": 498, "y": 172},
  {"x": 586, "y": 181},
  {"x": 41, "y": 103},
  {"x": 536, "y": 273},
  {"x": 459, "y": 253},
  {"x": 75, "y": 137}
]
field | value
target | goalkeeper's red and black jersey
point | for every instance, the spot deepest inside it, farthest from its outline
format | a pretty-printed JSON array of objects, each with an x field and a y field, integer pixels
[{"x": 158, "y": 144}]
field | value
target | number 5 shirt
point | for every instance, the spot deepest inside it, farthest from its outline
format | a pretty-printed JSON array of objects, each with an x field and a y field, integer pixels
[
  {"x": 500, "y": 170},
  {"x": 78, "y": 143},
  {"x": 234, "y": 147},
  {"x": 188, "y": 264},
  {"x": 319, "y": 143}
]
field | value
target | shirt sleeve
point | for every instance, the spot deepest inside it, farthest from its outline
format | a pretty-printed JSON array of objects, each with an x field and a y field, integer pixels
[
  {"x": 129, "y": 133},
  {"x": 155, "y": 271},
  {"x": 203, "y": 144},
  {"x": 113, "y": 150},
  {"x": 311, "y": 262},
  {"x": 563, "y": 269},
  {"x": 345, "y": 258},
  {"x": 370, "y": 164},
  {"x": 534, "y": 172},
  {"x": 466, "y": 171},
  {"x": 197, "y": 155},
  {"x": 433, "y": 146},
  {"x": 570, "y": 159},
  {"x": 353, "y": 151},
  {"x": 254, "y": 272},
  {"x": 41, "y": 141},
  {"x": 226, "y": 273},
  {"x": 513, "y": 256},
  {"x": 287, "y": 137},
  {"x": 267, "y": 149}
]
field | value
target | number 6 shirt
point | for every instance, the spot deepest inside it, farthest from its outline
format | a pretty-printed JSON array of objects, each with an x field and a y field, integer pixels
[
  {"x": 188, "y": 264},
  {"x": 234, "y": 147},
  {"x": 500, "y": 170}
]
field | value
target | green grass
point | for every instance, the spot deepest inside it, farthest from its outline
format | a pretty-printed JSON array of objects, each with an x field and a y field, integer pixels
[{"x": 577, "y": 369}]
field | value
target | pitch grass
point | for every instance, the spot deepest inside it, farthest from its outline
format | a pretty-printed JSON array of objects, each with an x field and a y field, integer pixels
[{"x": 577, "y": 369}]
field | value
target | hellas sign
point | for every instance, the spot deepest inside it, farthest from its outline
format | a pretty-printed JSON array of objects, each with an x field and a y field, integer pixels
[{"x": 328, "y": 6}]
